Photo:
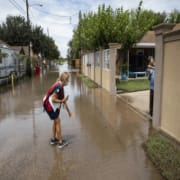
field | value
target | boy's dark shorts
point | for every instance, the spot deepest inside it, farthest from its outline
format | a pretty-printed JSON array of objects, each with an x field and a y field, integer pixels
[{"x": 53, "y": 115}]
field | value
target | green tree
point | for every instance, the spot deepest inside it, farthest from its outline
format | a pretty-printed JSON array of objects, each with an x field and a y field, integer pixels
[
  {"x": 98, "y": 29},
  {"x": 37, "y": 34},
  {"x": 49, "y": 49},
  {"x": 174, "y": 16},
  {"x": 16, "y": 33}
]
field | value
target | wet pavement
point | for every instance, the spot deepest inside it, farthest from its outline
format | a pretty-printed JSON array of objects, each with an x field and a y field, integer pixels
[
  {"x": 105, "y": 135},
  {"x": 139, "y": 101}
]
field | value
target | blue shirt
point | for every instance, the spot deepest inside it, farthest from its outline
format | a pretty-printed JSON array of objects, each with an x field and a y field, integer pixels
[{"x": 151, "y": 74}]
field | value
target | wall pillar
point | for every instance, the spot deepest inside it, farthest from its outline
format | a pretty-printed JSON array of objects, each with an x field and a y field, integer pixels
[
  {"x": 113, "y": 54},
  {"x": 101, "y": 64},
  {"x": 159, "y": 52}
]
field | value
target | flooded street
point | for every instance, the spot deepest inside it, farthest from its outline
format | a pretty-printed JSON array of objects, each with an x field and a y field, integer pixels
[{"x": 105, "y": 135}]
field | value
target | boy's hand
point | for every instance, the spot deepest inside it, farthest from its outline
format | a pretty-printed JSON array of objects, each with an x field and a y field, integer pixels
[
  {"x": 65, "y": 99},
  {"x": 70, "y": 114}
]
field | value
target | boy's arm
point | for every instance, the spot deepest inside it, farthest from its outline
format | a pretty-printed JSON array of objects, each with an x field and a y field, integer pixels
[
  {"x": 67, "y": 109},
  {"x": 151, "y": 67},
  {"x": 66, "y": 106}
]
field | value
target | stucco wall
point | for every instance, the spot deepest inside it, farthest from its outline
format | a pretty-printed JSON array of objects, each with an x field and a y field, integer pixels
[
  {"x": 100, "y": 67},
  {"x": 92, "y": 73},
  {"x": 98, "y": 75},
  {"x": 85, "y": 70},
  {"x": 170, "y": 109},
  {"x": 106, "y": 77}
]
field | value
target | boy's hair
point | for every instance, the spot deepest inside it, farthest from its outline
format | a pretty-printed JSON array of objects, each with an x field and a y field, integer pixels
[
  {"x": 64, "y": 76},
  {"x": 150, "y": 61}
]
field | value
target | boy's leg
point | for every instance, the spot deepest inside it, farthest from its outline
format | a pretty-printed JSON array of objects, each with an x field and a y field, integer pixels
[
  {"x": 54, "y": 130},
  {"x": 53, "y": 140},
  {"x": 151, "y": 102},
  {"x": 58, "y": 129}
]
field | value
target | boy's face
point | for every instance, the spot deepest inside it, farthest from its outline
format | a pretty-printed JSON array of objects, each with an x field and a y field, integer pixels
[
  {"x": 66, "y": 81},
  {"x": 152, "y": 63}
]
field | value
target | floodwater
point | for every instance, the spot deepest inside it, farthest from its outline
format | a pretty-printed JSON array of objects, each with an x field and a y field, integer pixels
[{"x": 105, "y": 135}]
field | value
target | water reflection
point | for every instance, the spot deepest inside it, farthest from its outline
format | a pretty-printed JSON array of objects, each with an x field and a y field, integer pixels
[
  {"x": 58, "y": 170},
  {"x": 105, "y": 135}
]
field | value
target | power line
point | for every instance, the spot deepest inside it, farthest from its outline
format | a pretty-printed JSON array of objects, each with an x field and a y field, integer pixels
[
  {"x": 59, "y": 23},
  {"x": 17, "y": 6},
  {"x": 32, "y": 14},
  {"x": 14, "y": 3},
  {"x": 57, "y": 15}
]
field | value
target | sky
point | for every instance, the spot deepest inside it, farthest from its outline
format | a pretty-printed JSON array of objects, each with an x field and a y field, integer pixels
[{"x": 58, "y": 18}]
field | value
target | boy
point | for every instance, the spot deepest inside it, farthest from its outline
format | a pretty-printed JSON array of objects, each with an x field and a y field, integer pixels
[
  {"x": 52, "y": 104},
  {"x": 151, "y": 68}
]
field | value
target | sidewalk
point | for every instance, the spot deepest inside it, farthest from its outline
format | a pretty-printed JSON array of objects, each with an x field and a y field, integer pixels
[{"x": 138, "y": 101}]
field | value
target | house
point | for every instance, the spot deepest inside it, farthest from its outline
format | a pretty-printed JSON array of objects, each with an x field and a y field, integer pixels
[
  {"x": 21, "y": 50},
  {"x": 105, "y": 65},
  {"x": 10, "y": 62},
  {"x": 24, "y": 50},
  {"x": 139, "y": 53},
  {"x": 137, "y": 56},
  {"x": 3, "y": 44}
]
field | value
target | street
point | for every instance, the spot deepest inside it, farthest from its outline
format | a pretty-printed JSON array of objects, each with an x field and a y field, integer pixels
[{"x": 105, "y": 135}]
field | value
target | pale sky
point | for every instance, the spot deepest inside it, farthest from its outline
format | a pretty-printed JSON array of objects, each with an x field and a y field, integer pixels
[{"x": 60, "y": 17}]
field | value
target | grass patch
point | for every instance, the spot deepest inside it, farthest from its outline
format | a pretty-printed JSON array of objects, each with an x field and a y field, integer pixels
[
  {"x": 89, "y": 83},
  {"x": 165, "y": 155},
  {"x": 133, "y": 85}
]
